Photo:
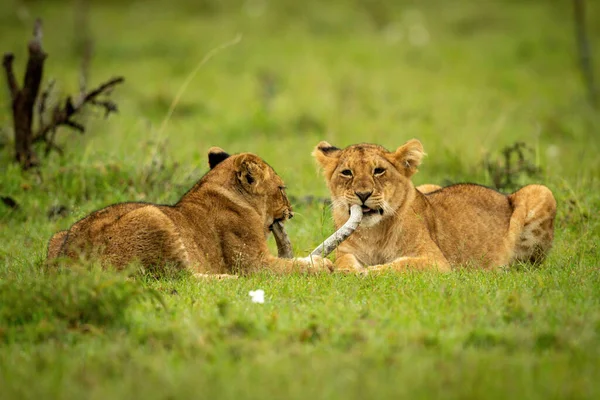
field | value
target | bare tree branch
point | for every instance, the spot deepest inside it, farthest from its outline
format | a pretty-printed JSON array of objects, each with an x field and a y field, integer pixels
[
  {"x": 13, "y": 86},
  {"x": 109, "y": 106},
  {"x": 103, "y": 88},
  {"x": 35, "y": 67},
  {"x": 24, "y": 102},
  {"x": 44, "y": 100},
  {"x": 50, "y": 145},
  {"x": 37, "y": 31},
  {"x": 64, "y": 115}
]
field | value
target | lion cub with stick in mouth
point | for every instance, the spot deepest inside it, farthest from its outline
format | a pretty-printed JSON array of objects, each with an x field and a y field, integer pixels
[
  {"x": 432, "y": 228},
  {"x": 220, "y": 226}
]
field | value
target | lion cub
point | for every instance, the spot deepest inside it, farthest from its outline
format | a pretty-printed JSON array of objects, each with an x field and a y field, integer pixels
[
  {"x": 219, "y": 226},
  {"x": 430, "y": 228}
]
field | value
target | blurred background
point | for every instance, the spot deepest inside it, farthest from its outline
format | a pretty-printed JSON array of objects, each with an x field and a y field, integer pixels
[
  {"x": 494, "y": 89},
  {"x": 470, "y": 79}
]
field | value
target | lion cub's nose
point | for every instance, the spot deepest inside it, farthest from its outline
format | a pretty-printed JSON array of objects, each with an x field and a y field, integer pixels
[{"x": 363, "y": 196}]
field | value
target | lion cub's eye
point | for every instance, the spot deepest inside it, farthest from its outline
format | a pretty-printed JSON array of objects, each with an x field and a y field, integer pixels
[
  {"x": 346, "y": 172},
  {"x": 378, "y": 171}
]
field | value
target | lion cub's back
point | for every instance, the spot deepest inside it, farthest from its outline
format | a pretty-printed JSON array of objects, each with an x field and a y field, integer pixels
[
  {"x": 472, "y": 222},
  {"x": 119, "y": 233},
  {"x": 472, "y": 196},
  {"x": 93, "y": 224}
]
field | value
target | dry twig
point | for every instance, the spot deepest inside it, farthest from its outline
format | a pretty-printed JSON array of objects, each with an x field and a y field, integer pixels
[
  {"x": 24, "y": 100},
  {"x": 63, "y": 116},
  {"x": 506, "y": 171},
  {"x": 284, "y": 246}
]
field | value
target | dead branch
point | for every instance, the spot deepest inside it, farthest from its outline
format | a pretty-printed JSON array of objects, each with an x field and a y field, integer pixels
[
  {"x": 50, "y": 145},
  {"x": 35, "y": 67},
  {"x": 44, "y": 100},
  {"x": 63, "y": 116},
  {"x": 23, "y": 99},
  {"x": 505, "y": 172},
  {"x": 7, "y": 62},
  {"x": 284, "y": 246}
]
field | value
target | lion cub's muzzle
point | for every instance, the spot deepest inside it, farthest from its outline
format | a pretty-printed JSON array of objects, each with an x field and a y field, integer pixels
[
  {"x": 367, "y": 209},
  {"x": 285, "y": 215}
]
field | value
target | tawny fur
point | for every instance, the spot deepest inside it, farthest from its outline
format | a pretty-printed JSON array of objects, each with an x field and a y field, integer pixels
[
  {"x": 220, "y": 226},
  {"x": 429, "y": 227}
]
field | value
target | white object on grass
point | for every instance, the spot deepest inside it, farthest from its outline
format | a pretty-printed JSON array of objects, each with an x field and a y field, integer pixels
[
  {"x": 333, "y": 241},
  {"x": 258, "y": 296}
]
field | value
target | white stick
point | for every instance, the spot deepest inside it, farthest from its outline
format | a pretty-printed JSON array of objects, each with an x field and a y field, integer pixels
[
  {"x": 333, "y": 241},
  {"x": 284, "y": 246}
]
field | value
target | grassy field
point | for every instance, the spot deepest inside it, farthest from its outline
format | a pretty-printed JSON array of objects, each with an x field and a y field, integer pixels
[{"x": 466, "y": 78}]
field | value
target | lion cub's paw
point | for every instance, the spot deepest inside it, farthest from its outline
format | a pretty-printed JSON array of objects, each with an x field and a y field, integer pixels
[
  {"x": 351, "y": 270},
  {"x": 316, "y": 264},
  {"x": 217, "y": 277},
  {"x": 348, "y": 264}
]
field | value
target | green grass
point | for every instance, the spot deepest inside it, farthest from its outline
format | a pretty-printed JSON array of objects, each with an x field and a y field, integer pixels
[{"x": 479, "y": 76}]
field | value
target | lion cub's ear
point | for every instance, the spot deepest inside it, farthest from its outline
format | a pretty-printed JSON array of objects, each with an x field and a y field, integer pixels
[
  {"x": 408, "y": 157},
  {"x": 326, "y": 155},
  {"x": 250, "y": 172},
  {"x": 215, "y": 156}
]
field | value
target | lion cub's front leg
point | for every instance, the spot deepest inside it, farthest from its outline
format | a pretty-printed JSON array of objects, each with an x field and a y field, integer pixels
[
  {"x": 413, "y": 263},
  {"x": 348, "y": 263},
  {"x": 244, "y": 259},
  {"x": 217, "y": 277},
  {"x": 311, "y": 264},
  {"x": 432, "y": 260}
]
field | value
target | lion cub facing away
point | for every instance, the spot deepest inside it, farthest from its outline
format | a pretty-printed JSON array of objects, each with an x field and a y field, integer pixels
[
  {"x": 219, "y": 226},
  {"x": 429, "y": 227}
]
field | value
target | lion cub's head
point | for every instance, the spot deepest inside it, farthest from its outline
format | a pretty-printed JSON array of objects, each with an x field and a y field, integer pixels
[
  {"x": 250, "y": 175},
  {"x": 370, "y": 176}
]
